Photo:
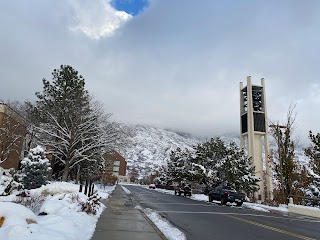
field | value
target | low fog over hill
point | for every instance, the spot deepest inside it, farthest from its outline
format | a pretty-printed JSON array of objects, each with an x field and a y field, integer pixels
[{"x": 150, "y": 147}]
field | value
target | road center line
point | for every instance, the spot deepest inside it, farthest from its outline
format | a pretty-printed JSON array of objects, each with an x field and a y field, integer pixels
[
  {"x": 240, "y": 214},
  {"x": 271, "y": 228},
  {"x": 184, "y": 204}
]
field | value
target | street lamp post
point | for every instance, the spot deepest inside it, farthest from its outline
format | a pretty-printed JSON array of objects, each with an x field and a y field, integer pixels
[{"x": 278, "y": 128}]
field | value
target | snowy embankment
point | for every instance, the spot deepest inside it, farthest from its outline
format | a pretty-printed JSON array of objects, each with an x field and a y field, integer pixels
[{"x": 62, "y": 214}]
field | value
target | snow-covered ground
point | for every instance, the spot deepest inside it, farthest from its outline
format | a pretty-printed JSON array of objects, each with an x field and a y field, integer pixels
[{"x": 64, "y": 219}]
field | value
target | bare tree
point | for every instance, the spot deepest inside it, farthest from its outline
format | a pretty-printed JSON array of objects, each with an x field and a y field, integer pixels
[
  {"x": 12, "y": 132},
  {"x": 286, "y": 167}
]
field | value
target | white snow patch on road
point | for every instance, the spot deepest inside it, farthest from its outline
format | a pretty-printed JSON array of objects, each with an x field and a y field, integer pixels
[
  {"x": 171, "y": 232},
  {"x": 127, "y": 191}
]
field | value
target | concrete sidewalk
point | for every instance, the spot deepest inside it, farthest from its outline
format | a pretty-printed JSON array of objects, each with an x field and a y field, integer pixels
[{"x": 120, "y": 220}]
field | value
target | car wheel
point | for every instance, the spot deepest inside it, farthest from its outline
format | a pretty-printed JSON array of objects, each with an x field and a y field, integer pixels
[
  {"x": 223, "y": 201},
  {"x": 239, "y": 204}
]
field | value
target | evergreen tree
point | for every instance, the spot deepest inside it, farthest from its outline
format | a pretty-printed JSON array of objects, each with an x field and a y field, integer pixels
[
  {"x": 209, "y": 156},
  {"x": 223, "y": 163},
  {"x": 313, "y": 152},
  {"x": 35, "y": 169},
  {"x": 180, "y": 165},
  {"x": 239, "y": 170},
  {"x": 73, "y": 126}
]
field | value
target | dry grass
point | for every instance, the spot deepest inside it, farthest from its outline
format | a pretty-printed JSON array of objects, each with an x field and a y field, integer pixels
[
  {"x": 34, "y": 203},
  {"x": 1, "y": 221},
  {"x": 31, "y": 221}
]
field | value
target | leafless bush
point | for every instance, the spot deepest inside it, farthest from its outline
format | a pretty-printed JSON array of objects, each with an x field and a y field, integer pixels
[
  {"x": 75, "y": 198},
  {"x": 34, "y": 203},
  {"x": 91, "y": 205}
]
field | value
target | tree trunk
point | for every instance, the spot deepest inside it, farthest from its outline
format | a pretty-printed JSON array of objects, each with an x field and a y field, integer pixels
[
  {"x": 86, "y": 187},
  {"x": 91, "y": 188},
  {"x": 65, "y": 172},
  {"x": 78, "y": 175}
]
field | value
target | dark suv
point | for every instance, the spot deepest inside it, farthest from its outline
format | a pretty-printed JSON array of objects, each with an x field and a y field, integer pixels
[{"x": 226, "y": 194}]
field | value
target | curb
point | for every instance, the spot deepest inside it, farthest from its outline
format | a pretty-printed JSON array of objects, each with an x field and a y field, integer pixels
[{"x": 162, "y": 236}]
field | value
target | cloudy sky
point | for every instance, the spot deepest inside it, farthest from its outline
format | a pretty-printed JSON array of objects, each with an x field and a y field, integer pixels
[{"x": 174, "y": 64}]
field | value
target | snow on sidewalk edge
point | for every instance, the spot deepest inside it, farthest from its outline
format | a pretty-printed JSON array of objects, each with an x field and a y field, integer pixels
[
  {"x": 171, "y": 232},
  {"x": 126, "y": 190}
]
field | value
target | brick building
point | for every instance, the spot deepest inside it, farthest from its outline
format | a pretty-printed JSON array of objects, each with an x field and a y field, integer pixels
[
  {"x": 116, "y": 168},
  {"x": 12, "y": 133}
]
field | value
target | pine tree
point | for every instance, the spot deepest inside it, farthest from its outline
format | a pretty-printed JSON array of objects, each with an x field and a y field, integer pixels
[
  {"x": 35, "y": 169},
  {"x": 223, "y": 163},
  {"x": 209, "y": 157},
  {"x": 73, "y": 126},
  {"x": 180, "y": 165},
  {"x": 313, "y": 152},
  {"x": 239, "y": 170}
]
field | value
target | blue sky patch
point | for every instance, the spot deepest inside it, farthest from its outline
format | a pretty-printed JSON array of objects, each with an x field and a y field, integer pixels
[{"x": 133, "y": 7}]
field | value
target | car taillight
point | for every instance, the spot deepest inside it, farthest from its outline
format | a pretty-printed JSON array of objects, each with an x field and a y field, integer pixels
[{"x": 228, "y": 193}]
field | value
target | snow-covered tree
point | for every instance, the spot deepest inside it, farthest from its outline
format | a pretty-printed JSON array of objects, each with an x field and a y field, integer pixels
[
  {"x": 71, "y": 124},
  {"x": 313, "y": 152},
  {"x": 221, "y": 163},
  {"x": 209, "y": 158},
  {"x": 35, "y": 169},
  {"x": 181, "y": 166},
  {"x": 239, "y": 170}
]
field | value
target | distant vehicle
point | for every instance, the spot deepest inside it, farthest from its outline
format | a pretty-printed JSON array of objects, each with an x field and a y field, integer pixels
[
  {"x": 182, "y": 188},
  {"x": 226, "y": 194},
  {"x": 152, "y": 186}
]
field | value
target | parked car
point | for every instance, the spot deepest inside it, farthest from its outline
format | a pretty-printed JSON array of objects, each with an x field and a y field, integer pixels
[
  {"x": 182, "y": 188},
  {"x": 152, "y": 186},
  {"x": 226, "y": 194}
]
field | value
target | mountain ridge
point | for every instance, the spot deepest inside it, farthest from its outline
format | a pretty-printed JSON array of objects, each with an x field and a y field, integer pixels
[{"x": 149, "y": 147}]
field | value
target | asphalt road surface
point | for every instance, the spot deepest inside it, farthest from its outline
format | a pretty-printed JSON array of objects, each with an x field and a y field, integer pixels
[{"x": 203, "y": 220}]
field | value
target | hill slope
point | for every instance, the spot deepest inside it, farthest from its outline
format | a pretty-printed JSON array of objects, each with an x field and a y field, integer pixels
[{"x": 150, "y": 147}]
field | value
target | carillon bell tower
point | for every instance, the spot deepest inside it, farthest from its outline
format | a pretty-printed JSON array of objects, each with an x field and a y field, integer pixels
[{"x": 254, "y": 134}]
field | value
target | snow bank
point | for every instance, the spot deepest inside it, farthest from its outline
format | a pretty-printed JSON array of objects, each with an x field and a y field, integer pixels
[
  {"x": 64, "y": 219},
  {"x": 171, "y": 232},
  {"x": 127, "y": 191}
]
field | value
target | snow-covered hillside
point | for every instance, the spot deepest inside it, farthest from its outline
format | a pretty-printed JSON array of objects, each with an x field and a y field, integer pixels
[{"x": 150, "y": 147}]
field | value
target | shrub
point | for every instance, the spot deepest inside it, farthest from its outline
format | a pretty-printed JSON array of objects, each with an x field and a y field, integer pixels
[{"x": 91, "y": 205}]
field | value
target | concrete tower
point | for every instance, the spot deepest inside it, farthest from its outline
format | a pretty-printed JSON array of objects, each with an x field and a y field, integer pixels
[{"x": 254, "y": 134}]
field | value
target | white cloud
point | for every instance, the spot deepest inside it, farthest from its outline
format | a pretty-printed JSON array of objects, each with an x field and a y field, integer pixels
[
  {"x": 97, "y": 19},
  {"x": 177, "y": 65}
]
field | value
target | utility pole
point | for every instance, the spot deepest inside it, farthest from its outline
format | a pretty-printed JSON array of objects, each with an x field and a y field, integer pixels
[{"x": 278, "y": 131}]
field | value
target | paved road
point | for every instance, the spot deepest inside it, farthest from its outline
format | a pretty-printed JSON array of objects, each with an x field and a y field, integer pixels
[{"x": 202, "y": 220}]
